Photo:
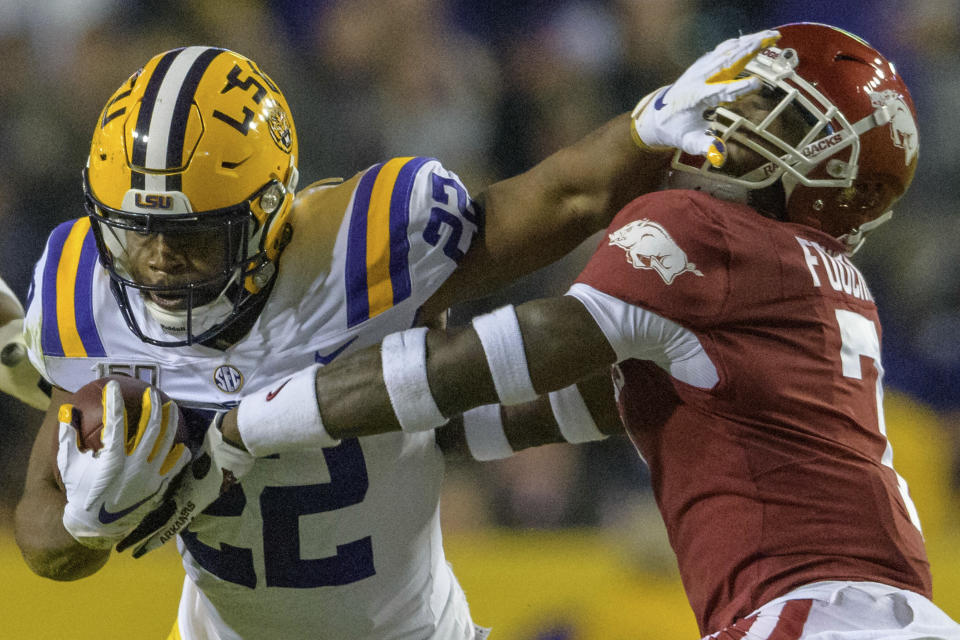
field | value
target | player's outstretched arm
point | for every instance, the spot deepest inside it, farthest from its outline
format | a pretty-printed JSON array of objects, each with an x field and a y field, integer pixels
[
  {"x": 576, "y": 414},
  {"x": 541, "y": 215},
  {"x": 411, "y": 382},
  {"x": 418, "y": 378},
  {"x": 46, "y": 546}
]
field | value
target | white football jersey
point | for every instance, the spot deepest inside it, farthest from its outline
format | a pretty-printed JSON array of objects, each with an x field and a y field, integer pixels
[{"x": 336, "y": 543}]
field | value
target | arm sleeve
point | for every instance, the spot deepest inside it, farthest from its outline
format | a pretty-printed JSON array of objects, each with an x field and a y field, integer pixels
[
  {"x": 443, "y": 223},
  {"x": 410, "y": 223},
  {"x": 637, "y": 333}
]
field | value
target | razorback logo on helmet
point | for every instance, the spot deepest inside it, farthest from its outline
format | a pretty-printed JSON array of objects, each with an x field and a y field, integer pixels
[
  {"x": 649, "y": 246},
  {"x": 903, "y": 128}
]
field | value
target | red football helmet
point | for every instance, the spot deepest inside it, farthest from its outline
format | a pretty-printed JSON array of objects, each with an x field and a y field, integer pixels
[{"x": 859, "y": 150}]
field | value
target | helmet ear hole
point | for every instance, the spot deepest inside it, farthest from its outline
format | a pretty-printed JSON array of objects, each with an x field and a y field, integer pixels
[{"x": 271, "y": 199}]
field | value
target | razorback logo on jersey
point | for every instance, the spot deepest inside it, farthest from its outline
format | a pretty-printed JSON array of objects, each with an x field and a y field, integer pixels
[
  {"x": 903, "y": 128},
  {"x": 649, "y": 246}
]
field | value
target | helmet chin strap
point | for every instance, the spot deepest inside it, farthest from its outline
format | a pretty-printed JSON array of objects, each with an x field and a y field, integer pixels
[
  {"x": 855, "y": 239},
  {"x": 770, "y": 200},
  {"x": 202, "y": 317},
  {"x": 719, "y": 189}
]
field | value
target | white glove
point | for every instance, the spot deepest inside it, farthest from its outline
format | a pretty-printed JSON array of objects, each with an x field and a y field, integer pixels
[
  {"x": 673, "y": 116},
  {"x": 108, "y": 492},
  {"x": 216, "y": 467}
]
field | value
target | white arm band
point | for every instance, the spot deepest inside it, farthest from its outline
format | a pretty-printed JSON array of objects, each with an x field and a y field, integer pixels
[
  {"x": 572, "y": 416},
  {"x": 404, "y": 361},
  {"x": 483, "y": 428},
  {"x": 502, "y": 342},
  {"x": 285, "y": 417}
]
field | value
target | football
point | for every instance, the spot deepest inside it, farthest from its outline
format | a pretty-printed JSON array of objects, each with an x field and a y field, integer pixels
[{"x": 87, "y": 416}]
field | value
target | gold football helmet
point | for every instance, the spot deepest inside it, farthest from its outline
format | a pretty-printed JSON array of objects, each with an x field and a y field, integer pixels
[{"x": 195, "y": 151}]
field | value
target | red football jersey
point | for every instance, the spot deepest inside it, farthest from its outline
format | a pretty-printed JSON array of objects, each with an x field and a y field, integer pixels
[{"x": 781, "y": 474}]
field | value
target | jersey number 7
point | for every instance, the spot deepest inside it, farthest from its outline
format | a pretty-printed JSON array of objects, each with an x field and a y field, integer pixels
[{"x": 858, "y": 338}]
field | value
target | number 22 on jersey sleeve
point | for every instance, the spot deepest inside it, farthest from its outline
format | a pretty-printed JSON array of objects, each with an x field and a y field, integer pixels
[{"x": 858, "y": 337}]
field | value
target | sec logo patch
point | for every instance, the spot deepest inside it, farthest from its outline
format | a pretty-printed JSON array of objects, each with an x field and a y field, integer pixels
[{"x": 228, "y": 378}]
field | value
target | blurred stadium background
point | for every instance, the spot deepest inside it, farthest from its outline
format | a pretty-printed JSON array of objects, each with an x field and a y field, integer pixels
[{"x": 559, "y": 543}]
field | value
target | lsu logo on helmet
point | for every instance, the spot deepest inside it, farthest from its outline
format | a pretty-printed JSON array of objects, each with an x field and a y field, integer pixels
[{"x": 280, "y": 128}]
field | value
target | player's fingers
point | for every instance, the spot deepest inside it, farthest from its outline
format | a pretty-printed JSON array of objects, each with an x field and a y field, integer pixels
[
  {"x": 113, "y": 435},
  {"x": 142, "y": 437},
  {"x": 69, "y": 434},
  {"x": 110, "y": 458},
  {"x": 733, "y": 55},
  {"x": 152, "y": 543},
  {"x": 705, "y": 143},
  {"x": 733, "y": 90},
  {"x": 175, "y": 460},
  {"x": 717, "y": 152},
  {"x": 167, "y": 455},
  {"x": 159, "y": 433},
  {"x": 707, "y": 96},
  {"x": 153, "y": 521}
]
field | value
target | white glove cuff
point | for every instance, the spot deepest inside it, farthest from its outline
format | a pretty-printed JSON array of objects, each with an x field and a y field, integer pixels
[
  {"x": 635, "y": 121},
  {"x": 483, "y": 428},
  {"x": 284, "y": 418},
  {"x": 404, "y": 361},
  {"x": 502, "y": 341},
  {"x": 77, "y": 525},
  {"x": 572, "y": 416},
  {"x": 226, "y": 455}
]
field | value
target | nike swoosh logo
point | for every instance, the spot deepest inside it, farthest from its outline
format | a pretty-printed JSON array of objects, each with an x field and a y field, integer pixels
[
  {"x": 273, "y": 394},
  {"x": 328, "y": 358},
  {"x": 107, "y": 517},
  {"x": 658, "y": 103}
]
